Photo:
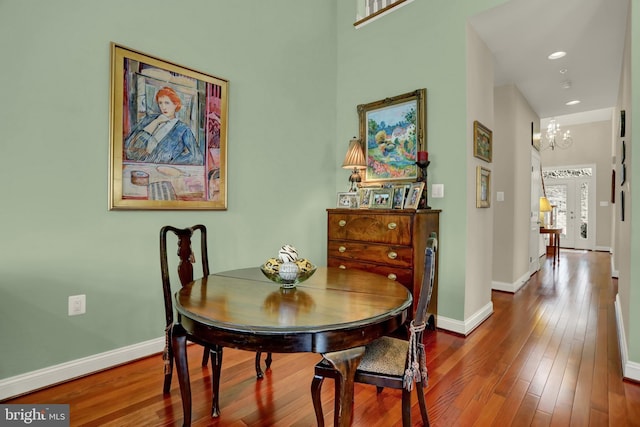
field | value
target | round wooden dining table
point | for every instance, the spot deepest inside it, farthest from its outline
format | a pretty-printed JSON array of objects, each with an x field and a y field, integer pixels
[{"x": 336, "y": 312}]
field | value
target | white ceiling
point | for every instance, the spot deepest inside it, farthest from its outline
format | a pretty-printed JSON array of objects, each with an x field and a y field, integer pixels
[{"x": 522, "y": 33}]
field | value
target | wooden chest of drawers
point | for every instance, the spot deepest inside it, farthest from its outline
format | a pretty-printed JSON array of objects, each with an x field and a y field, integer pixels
[{"x": 387, "y": 242}]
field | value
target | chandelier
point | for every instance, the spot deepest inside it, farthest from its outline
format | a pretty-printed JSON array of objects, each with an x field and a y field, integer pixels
[{"x": 555, "y": 138}]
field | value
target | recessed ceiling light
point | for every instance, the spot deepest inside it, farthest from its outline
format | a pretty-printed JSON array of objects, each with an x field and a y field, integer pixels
[
  {"x": 563, "y": 71},
  {"x": 574, "y": 102},
  {"x": 557, "y": 55}
]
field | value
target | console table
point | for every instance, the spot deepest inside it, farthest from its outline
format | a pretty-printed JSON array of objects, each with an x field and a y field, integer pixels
[{"x": 554, "y": 241}]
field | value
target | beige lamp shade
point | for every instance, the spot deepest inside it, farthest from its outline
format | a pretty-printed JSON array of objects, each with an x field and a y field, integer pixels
[
  {"x": 545, "y": 206},
  {"x": 355, "y": 156},
  {"x": 354, "y": 159}
]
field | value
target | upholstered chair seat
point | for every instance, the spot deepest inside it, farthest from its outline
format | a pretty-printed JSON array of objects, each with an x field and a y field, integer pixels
[{"x": 386, "y": 356}]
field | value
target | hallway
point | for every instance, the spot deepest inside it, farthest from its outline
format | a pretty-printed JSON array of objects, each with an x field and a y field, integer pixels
[{"x": 548, "y": 356}]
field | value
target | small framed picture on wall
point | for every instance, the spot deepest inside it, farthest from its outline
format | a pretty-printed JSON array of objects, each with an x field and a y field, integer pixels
[{"x": 483, "y": 187}]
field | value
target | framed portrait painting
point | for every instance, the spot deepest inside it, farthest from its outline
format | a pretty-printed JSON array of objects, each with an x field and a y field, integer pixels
[
  {"x": 168, "y": 142},
  {"x": 393, "y": 131}
]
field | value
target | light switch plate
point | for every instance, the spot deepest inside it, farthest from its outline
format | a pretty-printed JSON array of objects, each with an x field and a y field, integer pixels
[
  {"x": 77, "y": 305},
  {"x": 437, "y": 191}
]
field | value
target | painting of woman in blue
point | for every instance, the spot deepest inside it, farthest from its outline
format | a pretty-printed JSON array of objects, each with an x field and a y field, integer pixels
[{"x": 162, "y": 137}]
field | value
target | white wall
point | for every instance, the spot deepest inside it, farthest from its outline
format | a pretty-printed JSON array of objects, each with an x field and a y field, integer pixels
[
  {"x": 479, "y": 250},
  {"x": 512, "y": 138}
]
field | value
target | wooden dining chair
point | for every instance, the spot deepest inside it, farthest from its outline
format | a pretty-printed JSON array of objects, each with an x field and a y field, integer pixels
[
  {"x": 390, "y": 362},
  {"x": 185, "y": 274}
]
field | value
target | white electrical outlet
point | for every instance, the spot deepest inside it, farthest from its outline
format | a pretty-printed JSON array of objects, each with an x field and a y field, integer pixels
[{"x": 77, "y": 305}]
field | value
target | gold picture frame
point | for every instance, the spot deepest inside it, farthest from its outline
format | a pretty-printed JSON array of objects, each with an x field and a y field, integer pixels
[
  {"x": 414, "y": 195},
  {"x": 381, "y": 198},
  {"x": 347, "y": 200},
  {"x": 364, "y": 195},
  {"x": 482, "y": 142},
  {"x": 483, "y": 187},
  {"x": 168, "y": 135},
  {"x": 400, "y": 192},
  {"x": 392, "y": 131}
]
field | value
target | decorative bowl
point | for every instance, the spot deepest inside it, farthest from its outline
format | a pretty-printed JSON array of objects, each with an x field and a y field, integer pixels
[{"x": 273, "y": 274}]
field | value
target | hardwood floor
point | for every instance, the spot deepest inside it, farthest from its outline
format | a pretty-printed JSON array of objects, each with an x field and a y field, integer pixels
[{"x": 548, "y": 356}]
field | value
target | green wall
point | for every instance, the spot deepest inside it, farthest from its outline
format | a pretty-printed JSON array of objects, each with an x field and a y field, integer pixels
[
  {"x": 422, "y": 45},
  {"x": 60, "y": 239}
]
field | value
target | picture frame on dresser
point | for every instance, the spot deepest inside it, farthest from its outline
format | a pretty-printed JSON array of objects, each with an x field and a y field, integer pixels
[
  {"x": 347, "y": 200},
  {"x": 381, "y": 198},
  {"x": 393, "y": 130},
  {"x": 399, "y": 195},
  {"x": 364, "y": 197},
  {"x": 413, "y": 196}
]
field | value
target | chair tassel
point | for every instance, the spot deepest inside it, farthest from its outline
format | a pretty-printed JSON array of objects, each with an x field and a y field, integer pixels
[
  {"x": 423, "y": 363},
  {"x": 412, "y": 373},
  {"x": 165, "y": 352}
]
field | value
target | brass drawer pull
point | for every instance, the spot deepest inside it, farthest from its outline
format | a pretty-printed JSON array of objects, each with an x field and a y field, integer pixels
[
  {"x": 342, "y": 249},
  {"x": 392, "y": 255},
  {"x": 392, "y": 225},
  {"x": 342, "y": 266},
  {"x": 342, "y": 223},
  {"x": 392, "y": 276}
]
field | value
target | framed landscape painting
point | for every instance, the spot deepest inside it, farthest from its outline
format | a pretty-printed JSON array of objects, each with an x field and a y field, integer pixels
[
  {"x": 168, "y": 135},
  {"x": 393, "y": 131},
  {"x": 482, "y": 142}
]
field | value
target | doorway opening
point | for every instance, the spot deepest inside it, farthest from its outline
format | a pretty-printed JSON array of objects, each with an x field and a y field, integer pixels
[{"x": 571, "y": 192}]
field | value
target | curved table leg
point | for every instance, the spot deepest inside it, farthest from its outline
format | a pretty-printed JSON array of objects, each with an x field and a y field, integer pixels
[
  {"x": 179, "y": 343},
  {"x": 345, "y": 362},
  {"x": 259, "y": 373}
]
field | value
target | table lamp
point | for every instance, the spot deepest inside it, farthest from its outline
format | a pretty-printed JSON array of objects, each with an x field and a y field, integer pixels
[
  {"x": 354, "y": 159},
  {"x": 545, "y": 206}
]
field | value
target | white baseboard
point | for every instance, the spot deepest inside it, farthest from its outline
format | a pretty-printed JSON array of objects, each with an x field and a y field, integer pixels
[
  {"x": 467, "y": 326},
  {"x": 511, "y": 287},
  {"x": 35, "y": 380},
  {"x": 614, "y": 272},
  {"x": 630, "y": 370}
]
